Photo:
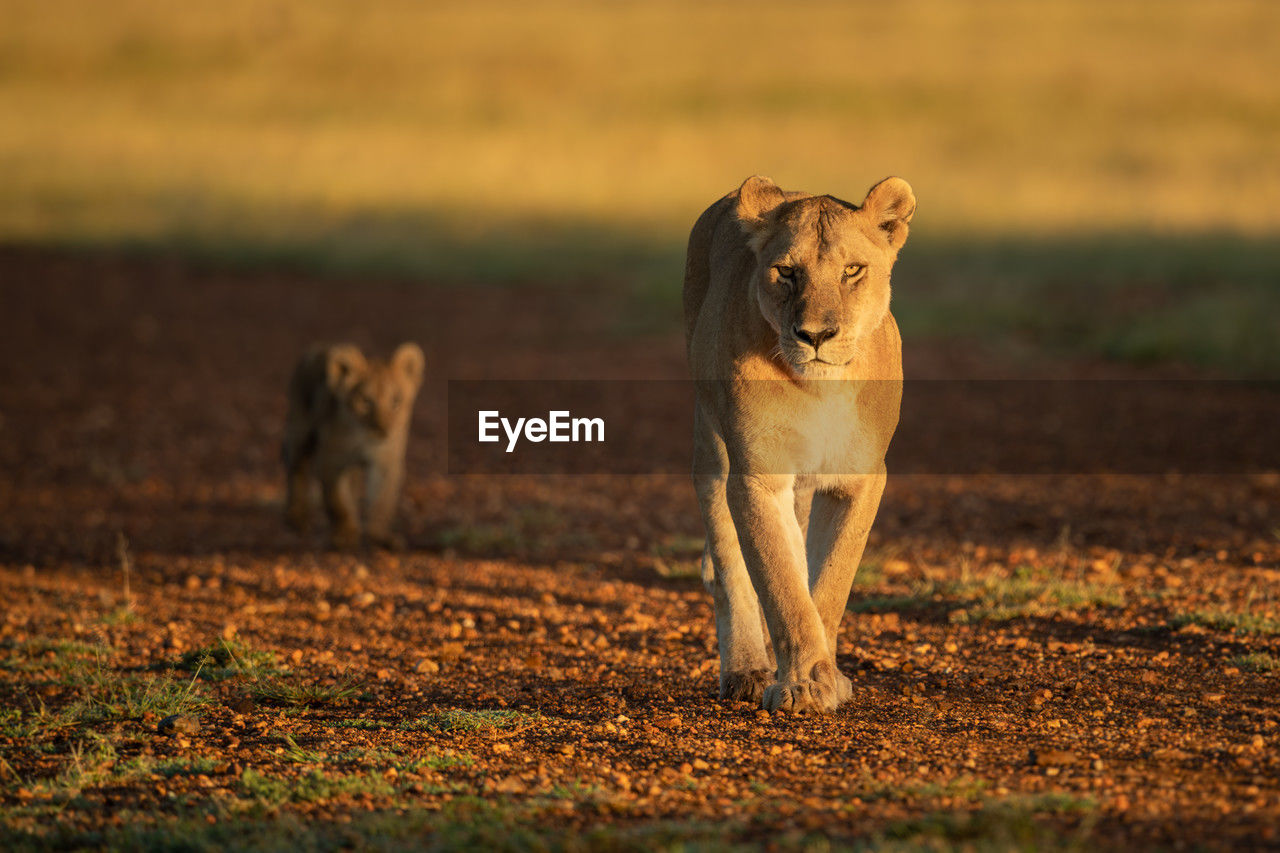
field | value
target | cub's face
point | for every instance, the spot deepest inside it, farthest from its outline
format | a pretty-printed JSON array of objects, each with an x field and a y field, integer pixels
[
  {"x": 375, "y": 395},
  {"x": 822, "y": 277}
]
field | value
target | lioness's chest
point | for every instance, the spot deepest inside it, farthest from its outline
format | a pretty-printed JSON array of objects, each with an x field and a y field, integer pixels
[{"x": 815, "y": 433}]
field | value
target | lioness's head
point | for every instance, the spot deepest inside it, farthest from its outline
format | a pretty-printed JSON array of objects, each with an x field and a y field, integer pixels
[
  {"x": 822, "y": 277},
  {"x": 375, "y": 394}
]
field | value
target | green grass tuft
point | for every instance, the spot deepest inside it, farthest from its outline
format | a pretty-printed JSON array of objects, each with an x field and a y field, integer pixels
[
  {"x": 278, "y": 691},
  {"x": 454, "y": 720},
  {"x": 1258, "y": 662},
  {"x": 1233, "y": 621}
]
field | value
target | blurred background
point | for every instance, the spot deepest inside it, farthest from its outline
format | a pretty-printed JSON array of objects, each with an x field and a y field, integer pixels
[{"x": 1100, "y": 179}]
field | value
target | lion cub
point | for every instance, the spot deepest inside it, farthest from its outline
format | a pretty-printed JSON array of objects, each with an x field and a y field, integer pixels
[{"x": 349, "y": 415}]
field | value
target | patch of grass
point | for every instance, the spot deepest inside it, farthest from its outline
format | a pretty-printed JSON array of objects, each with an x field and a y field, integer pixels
[
  {"x": 311, "y": 786},
  {"x": 228, "y": 658},
  {"x": 997, "y": 598},
  {"x": 466, "y": 823},
  {"x": 38, "y": 721},
  {"x": 278, "y": 691},
  {"x": 89, "y": 763},
  {"x": 299, "y": 755},
  {"x": 454, "y": 720},
  {"x": 447, "y": 760},
  {"x": 118, "y": 616},
  {"x": 1258, "y": 662},
  {"x": 1025, "y": 594},
  {"x": 967, "y": 787},
  {"x": 1014, "y": 823},
  {"x": 372, "y": 756},
  {"x": 171, "y": 767},
  {"x": 44, "y": 653},
  {"x": 111, "y": 695},
  {"x": 1233, "y": 621},
  {"x": 362, "y": 724},
  {"x": 679, "y": 557},
  {"x": 533, "y": 530}
]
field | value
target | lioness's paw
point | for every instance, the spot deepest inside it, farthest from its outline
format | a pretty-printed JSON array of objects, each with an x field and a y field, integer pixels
[
  {"x": 747, "y": 686},
  {"x": 844, "y": 688},
  {"x": 798, "y": 696}
]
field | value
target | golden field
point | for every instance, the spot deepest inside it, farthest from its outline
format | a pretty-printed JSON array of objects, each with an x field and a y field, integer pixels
[{"x": 533, "y": 139}]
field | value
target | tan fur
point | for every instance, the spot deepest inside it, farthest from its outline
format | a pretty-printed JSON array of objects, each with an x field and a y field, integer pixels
[
  {"x": 799, "y": 370},
  {"x": 349, "y": 415}
]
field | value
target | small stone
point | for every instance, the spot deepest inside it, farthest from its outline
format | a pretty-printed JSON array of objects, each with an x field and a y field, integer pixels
[
  {"x": 178, "y": 724},
  {"x": 1052, "y": 757},
  {"x": 669, "y": 721},
  {"x": 512, "y": 784}
]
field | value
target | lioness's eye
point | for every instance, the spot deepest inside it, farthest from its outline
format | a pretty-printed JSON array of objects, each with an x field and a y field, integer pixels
[
  {"x": 854, "y": 271},
  {"x": 784, "y": 271}
]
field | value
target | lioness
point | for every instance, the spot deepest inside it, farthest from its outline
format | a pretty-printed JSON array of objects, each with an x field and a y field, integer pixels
[
  {"x": 798, "y": 367},
  {"x": 349, "y": 415}
]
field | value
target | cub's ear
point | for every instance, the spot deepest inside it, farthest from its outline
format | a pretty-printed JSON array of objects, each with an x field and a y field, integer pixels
[
  {"x": 409, "y": 362},
  {"x": 891, "y": 204},
  {"x": 344, "y": 364},
  {"x": 756, "y": 198}
]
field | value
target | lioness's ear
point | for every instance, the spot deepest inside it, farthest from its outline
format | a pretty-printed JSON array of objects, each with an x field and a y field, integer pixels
[
  {"x": 891, "y": 205},
  {"x": 756, "y": 197},
  {"x": 344, "y": 365},
  {"x": 408, "y": 361}
]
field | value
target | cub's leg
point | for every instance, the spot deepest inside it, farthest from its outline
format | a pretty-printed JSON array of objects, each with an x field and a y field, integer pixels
[
  {"x": 838, "y": 528},
  {"x": 383, "y": 479},
  {"x": 744, "y": 662},
  {"x": 764, "y": 514},
  {"x": 299, "y": 454},
  {"x": 340, "y": 503}
]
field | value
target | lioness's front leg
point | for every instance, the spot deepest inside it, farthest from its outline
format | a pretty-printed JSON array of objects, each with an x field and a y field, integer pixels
[
  {"x": 839, "y": 524},
  {"x": 763, "y": 509},
  {"x": 744, "y": 662}
]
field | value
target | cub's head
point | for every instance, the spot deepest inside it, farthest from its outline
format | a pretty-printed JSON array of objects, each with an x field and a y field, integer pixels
[
  {"x": 822, "y": 277},
  {"x": 376, "y": 394}
]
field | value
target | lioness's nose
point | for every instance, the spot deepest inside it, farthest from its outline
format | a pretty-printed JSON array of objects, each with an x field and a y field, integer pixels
[{"x": 814, "y": 337}]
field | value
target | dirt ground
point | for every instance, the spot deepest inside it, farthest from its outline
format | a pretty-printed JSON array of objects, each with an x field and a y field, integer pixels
[{"x": 1038, "y": 662}]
